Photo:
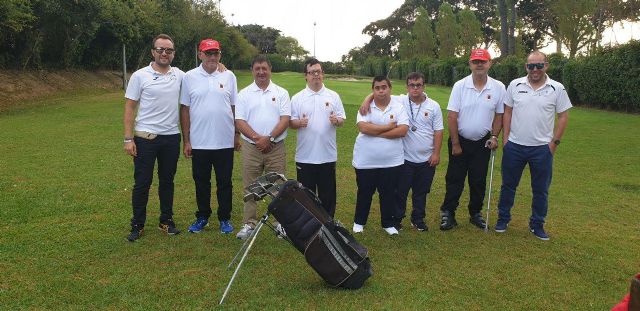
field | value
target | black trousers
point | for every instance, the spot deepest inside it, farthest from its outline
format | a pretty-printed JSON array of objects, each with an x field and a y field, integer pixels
[
  {"x": 222, "y": 162},
  {"x": 474, "y": 162},
  {"x": 385, "y": 181},
  {"x": 321, "y": 179},
  {"x": 166, "y": 149},
  {"x": 417, "y": 177}
]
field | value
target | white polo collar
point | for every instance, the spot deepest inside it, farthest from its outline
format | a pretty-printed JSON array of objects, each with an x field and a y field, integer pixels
[
  {"x": 154, "y": 72},
  {"x": 255, "y": 88},
  {"x": 310, "y": 92},
  {"x": 205, "y": 73},
  {"x": 468, "y": 83}
]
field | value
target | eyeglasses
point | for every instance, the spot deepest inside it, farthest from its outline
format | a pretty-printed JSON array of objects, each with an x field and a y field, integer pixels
[
  {"x": 415, "y": 85},
  {"x": 535, "y": 65},
  {"x": 169, "y": 51},
  {"x": 478, "y": 61},
  {"x": 211, "y": 52},
  {"x": 314, "y": 72}
]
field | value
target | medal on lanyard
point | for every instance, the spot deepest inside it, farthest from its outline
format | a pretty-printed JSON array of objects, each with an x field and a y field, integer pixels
[{"x": 413, "y": 127}]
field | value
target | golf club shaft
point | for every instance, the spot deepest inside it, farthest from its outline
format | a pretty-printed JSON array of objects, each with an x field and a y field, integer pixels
[{"x": 493, "y": 159}]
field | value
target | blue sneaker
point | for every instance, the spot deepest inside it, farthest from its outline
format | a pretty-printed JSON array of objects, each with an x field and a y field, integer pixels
[
  {"x": 539, "y": 233},
  {"x": 226, "y": 227},
  {"x": 198, "y": 225},
  {"x": 501, "y": 226}
]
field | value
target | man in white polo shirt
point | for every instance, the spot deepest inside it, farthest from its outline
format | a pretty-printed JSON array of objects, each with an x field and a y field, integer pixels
[
  {"x": 207, "y": 105},
  {"x": 474, "y": 116},
  {"x": 262, "y": 116},
  {"x": 316, "y": 112},
  {"x": 154, "y": 90},
  {"x": 529, "y": 138},
  {"x": 378, "y": 156},
  {"x": 421, "y": 149}
]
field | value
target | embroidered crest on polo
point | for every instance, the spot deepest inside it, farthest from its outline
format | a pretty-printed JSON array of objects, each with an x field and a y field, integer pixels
[
  {"x": 426, "y": 114},
  {"x": 221, "y": 86},
  {"x": 488, "y": 96},
  {"x": 273, "y": 99},
  {"x": 326, "y": 104},
  {"x": 391, "y": 117}
]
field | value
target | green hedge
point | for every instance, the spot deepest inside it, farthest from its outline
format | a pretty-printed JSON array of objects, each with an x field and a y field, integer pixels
[{"x": 610, "y": 79}]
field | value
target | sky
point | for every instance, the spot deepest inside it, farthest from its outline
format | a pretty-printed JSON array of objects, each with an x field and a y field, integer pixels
[{"x": 339, "y": 23}]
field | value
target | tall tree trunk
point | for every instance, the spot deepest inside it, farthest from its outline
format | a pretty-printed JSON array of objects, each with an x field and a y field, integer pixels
[
  {"x": 512, "y": 28},
  {"x": 504, "y": 29},
  {"x": 558, "y": 39}
]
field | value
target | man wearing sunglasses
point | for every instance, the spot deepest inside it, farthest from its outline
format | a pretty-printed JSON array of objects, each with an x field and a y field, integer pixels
[
  {"x": 474, "y": 117},
  {"x": 532, "y": 104},
  {"x": 153, "y": 135},
  {"x": 316, "y": 112},
  {"x": 208, "y": 98}
]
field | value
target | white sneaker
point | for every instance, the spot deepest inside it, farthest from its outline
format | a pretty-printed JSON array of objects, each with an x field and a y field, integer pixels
[
  {"x": 357, "y": 228},
  {"x": 391, "y": 230},
  {"x": 245, "y": 232},
  {"x": 280, "y": 233}
]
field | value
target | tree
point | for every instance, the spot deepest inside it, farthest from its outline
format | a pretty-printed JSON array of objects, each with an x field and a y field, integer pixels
[
  {"x": 290, "y": 48},
  {"x": 407, "y": 47},
  {"x": 425, "y": 41},
  {"x": 264, "y": 39},
  {"x": 470, "y": 33},
  {"x": 575, "y": 28},
  {"x": 447, "y": 31}
]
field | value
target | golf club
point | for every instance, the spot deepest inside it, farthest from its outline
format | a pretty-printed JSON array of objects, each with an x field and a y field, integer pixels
[{"x": 493, "y": 159}]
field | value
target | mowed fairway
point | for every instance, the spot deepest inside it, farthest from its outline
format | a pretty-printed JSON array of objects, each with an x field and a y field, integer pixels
[{"x": 65, "y": 189}]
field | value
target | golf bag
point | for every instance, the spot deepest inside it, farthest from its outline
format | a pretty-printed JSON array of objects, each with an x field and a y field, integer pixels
[{"x": 327, "y": 246}]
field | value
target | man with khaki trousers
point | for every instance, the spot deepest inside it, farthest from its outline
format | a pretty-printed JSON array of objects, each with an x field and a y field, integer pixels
[{"x": 262, "y": 117}]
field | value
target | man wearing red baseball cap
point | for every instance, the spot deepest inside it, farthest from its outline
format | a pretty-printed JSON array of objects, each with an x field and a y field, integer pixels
[
  {"x": 208, "y": 98},
  {"x": 474, "y": 117}
]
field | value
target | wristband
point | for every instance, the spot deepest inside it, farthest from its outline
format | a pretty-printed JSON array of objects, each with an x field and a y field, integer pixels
[{"x": 128, "y": 140}]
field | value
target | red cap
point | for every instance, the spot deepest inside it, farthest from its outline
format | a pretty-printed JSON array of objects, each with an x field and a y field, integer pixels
[
  {"x": 209, "y": 44},
  {"x": 480, "y": 54}
]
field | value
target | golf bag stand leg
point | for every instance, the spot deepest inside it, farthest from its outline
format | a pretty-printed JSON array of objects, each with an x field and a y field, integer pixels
[{"x": 246, "y": 247}]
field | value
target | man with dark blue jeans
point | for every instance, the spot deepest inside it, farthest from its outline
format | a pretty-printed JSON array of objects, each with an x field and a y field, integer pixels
[
  {"x": 529, "y": 138},
  {"x": 154, "y": 91}
]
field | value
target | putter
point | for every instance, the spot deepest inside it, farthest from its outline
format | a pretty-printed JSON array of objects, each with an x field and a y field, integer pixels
[{"x": 493, "y": 159}]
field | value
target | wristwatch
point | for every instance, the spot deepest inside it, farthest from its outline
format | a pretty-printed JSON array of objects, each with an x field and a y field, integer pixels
[
  {"x": 272, "y": 139},
  {"x": 557, "y": 142},
  {"x": 128, "y": 139}
]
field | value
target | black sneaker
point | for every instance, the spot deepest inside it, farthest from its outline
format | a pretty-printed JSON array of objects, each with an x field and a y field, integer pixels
[
  {"x": 420, "y": 226},
  {"x": 136, "y": 233},
  {"x": 477, "y": 221},
  {"x": 448, "y": 221},
  {"x": 169, "y": 227}
]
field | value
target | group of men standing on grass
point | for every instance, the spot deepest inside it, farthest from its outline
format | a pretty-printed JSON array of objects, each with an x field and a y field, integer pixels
[{"x": 397, "y": 149}]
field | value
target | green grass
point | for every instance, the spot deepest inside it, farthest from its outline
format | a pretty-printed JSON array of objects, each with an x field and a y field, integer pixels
[{"x": 65, "y": 187}]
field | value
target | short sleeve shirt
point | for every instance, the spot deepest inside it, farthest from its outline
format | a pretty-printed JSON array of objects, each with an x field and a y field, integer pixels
[
  {"x": 317, "y": 142},
  {"x": 534, "y": 111},
  {"x": 262, "y": 109},
  {"x": 210, "y": 98},
  {"x": 157, "y": 95},
  {"x": 424, "y": 120},
  {"x": 378, "y": 152},
  {"x": 476, "y": 109}
]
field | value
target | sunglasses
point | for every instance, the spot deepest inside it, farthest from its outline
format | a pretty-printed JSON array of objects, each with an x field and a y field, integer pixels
[
  {"x": 211, "y": 52},
  {"x": 169, "y": 51},
  {"x": 415, "y": 85},
  {"x": 535, "y": 65}
]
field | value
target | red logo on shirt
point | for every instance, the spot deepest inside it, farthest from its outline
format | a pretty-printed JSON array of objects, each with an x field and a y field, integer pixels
[
  {"x": 488, "y": 96},
  {"x": 221, "y": 86},
  {"x": 426, "y": 114},
  {"x": 326, "y": 104},
  {"x": 273, "y": 99},
  {"x": 391, "y": 117}
]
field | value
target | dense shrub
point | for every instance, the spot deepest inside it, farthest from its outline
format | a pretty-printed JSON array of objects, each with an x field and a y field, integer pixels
[
  {"x": 508, "y": 68},
  {"x": 608, "y": 79}
]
